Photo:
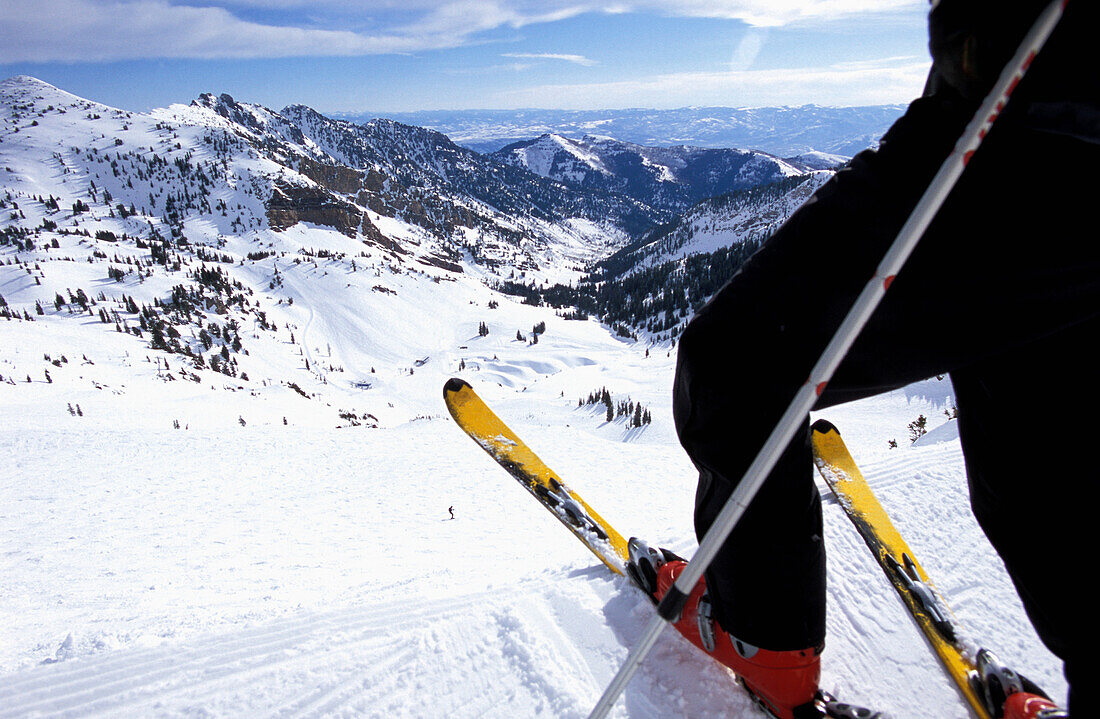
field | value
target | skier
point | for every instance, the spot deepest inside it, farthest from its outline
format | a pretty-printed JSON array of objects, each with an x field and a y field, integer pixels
[
  {"x": 451, "y": 509},
  {"x": 1003, "y": 293}
]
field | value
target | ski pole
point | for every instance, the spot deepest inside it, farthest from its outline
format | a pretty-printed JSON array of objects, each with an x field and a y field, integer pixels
[{"x": 670, "y": 607}]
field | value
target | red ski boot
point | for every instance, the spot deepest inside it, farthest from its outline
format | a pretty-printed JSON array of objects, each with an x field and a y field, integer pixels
[
  {"x": 1007, "y": 694},
  {"x": 1023, "y": 705},
  {"x": 780, "y": 681}
]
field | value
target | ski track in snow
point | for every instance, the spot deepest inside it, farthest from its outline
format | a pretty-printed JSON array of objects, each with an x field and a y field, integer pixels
[
  {"x": 367, "y": 662},
  {"x": 302, "y": 667}
]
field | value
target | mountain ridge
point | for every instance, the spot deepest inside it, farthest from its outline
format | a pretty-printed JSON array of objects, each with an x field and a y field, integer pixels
[
  {"x": 672, "y": 178},
  {"x": 780, "y": 131}
]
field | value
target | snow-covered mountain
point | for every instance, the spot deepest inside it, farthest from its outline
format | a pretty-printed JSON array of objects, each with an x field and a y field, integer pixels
[
  {"x": 666, "y": 177},
  {"x": 224, "y": 181},
  {"x": 781, "y": 131},
  {"x": 177, "y": 229},
  {"x": 720, "y": 221},
  {"x": 818, "y": 160},
  {"x": 652, "y": 287},
  {"x": 467, "y": 202},
  {"x": 227, "y": 466}
]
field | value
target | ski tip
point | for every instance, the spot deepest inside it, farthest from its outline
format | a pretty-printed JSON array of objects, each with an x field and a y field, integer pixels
[
  {"x": 454, "y": 384},
  {"x": 824, "y": 426}
]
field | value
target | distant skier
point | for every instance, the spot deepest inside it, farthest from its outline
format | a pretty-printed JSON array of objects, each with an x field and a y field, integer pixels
[
  {"x": 1003, "y": 293},
  {"x": 451, "y": 509}
]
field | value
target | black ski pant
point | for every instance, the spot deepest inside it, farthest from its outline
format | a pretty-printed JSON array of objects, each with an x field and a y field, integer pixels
[{"x": 1003, "y": 293}]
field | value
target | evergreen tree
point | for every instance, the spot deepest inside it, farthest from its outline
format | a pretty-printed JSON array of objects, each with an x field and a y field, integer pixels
[{"x": 918, "y": 428}]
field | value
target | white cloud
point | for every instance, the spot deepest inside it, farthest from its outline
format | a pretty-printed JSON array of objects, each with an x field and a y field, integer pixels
[
  {"x": 895, "y": 80},
  {"x": 769, "y": 13},
  {"x": 81, "y": 30},
  {"x": 96, "y": 30},
  {"x": 575, "y": 59},
  {"x": 747, "y": 48}
]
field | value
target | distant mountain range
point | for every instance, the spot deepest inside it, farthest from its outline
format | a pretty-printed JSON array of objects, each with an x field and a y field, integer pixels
[
  {"x": 780, "y": 131},
  {"x": 666, "y": 178}
]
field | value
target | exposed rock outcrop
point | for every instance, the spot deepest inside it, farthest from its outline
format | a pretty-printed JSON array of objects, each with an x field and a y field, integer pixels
[
  {"x": 291, "y": 204},
  {"x": 337, "y": 178}
]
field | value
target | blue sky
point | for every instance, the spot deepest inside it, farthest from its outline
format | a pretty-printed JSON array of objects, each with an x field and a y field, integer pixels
[{"x": 401, "y": 55}]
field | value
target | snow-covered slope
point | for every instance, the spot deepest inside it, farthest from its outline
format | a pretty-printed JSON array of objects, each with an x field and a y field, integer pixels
[
  {"x": 819, "y": 160},
  {"x": 722, "y": 221},
  {"x": 298, "y": 569},
  {"x": 552, "y": 155},
  {"x": 405, "y": 190}
]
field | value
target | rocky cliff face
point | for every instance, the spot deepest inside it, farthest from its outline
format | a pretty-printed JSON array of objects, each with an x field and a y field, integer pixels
[
  {"x": 337, "y": 178},
  {"x": 290, "y": 204},
  {"x": 420, "y": 176}
]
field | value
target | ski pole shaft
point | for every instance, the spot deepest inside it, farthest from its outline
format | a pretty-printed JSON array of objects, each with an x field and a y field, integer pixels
[{"x": 668, "y": 611}]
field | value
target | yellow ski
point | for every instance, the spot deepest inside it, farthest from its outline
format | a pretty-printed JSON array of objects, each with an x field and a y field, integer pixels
[
  {"x": 924, "y": 603},
  {"x": 511, "y": 453}
]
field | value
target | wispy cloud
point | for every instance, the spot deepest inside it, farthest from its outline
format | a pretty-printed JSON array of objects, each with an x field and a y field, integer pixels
[
  {"x": 481, "y": 71},
  {"x": 769, "y": 13},
  {"x": 575, "y": 59},
  {"x": 862, "y": 83}
]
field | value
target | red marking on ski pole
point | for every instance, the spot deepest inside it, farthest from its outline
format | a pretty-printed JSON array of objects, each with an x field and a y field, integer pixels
[
  {"x": 888, "y": 281},
  {"x": 1031, "y": 55},
  {"x": 1012, "y": 85},
  {"x": 967, "y": 156},
  {"x": 821, "y": 388}
]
